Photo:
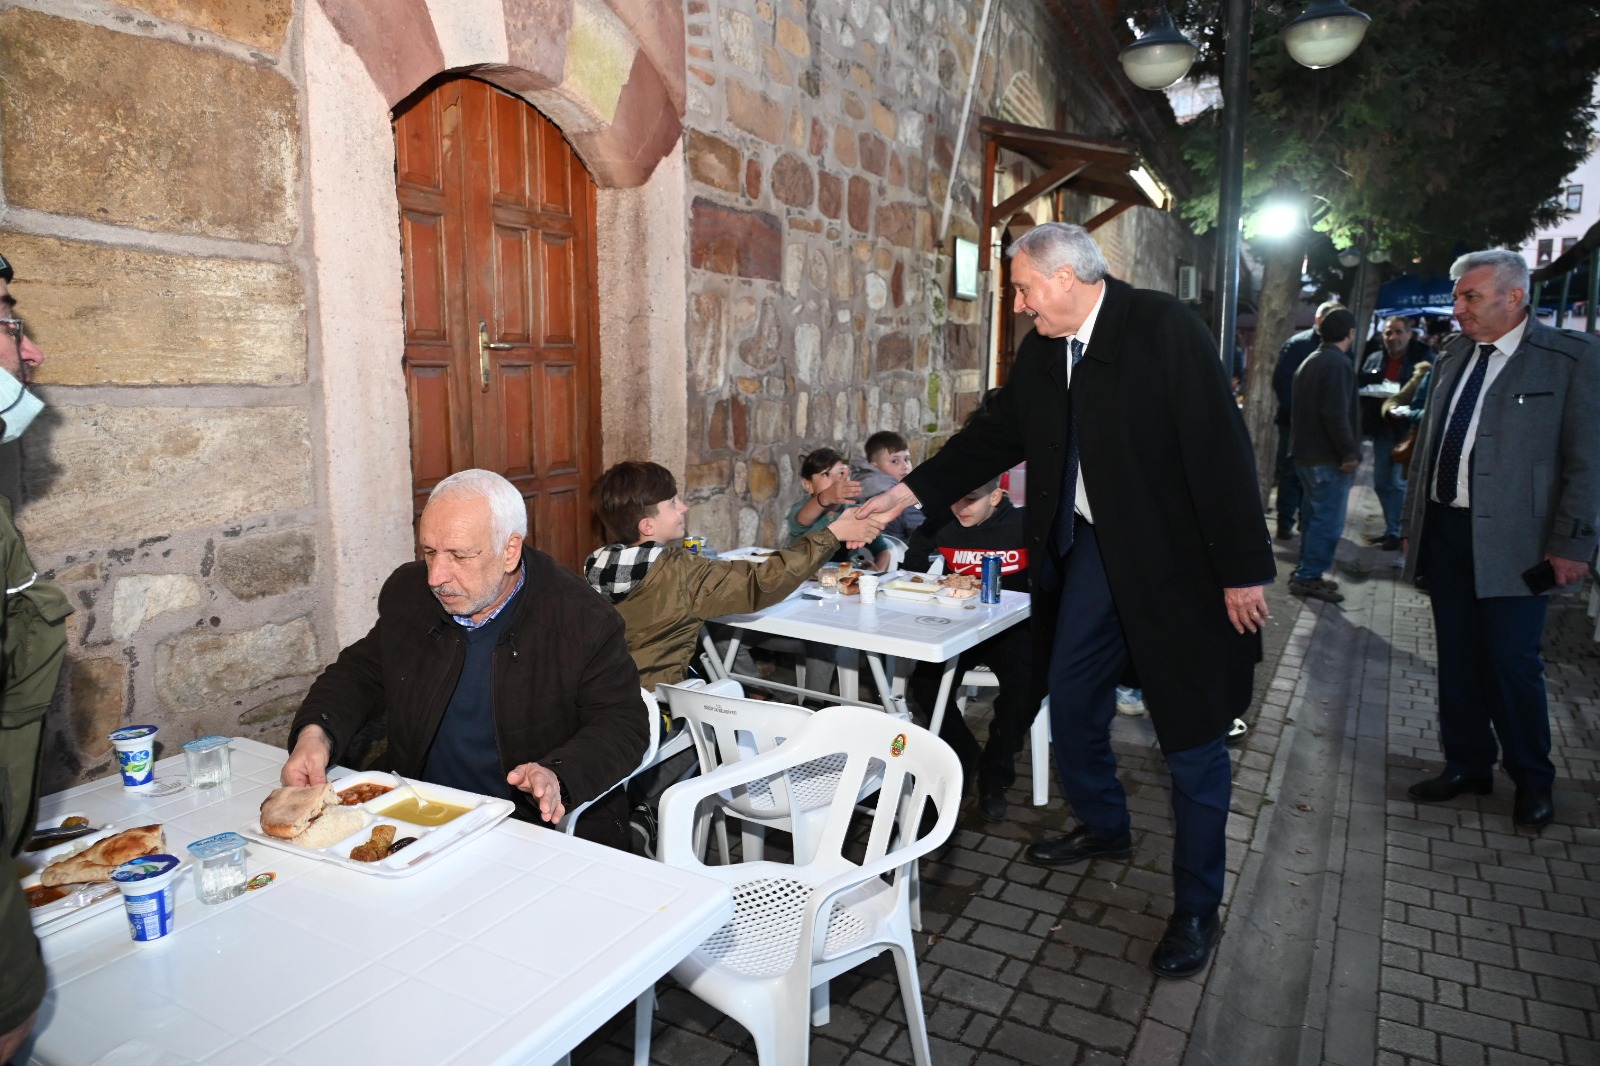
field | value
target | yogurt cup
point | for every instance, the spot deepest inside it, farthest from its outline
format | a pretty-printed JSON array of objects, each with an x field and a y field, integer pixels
[
  {"x": 869, "y": 587},
  {"x": 148, "y": 894},
  {"x": 136, "y": 756}
]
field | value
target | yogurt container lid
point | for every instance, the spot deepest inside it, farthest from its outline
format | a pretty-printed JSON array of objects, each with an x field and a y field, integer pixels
[
  {"x": 220, "y": 844},
  {"x": 144, "y": 868},
  {"x": 207, "y": 743},
  {"x": 133, "y": 732}
]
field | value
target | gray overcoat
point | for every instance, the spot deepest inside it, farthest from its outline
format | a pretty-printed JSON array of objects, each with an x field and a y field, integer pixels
[{"x": 1535, "y": 463}]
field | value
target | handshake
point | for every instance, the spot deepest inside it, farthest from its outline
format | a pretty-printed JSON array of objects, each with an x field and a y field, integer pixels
[{"x": 861, "y": 524}]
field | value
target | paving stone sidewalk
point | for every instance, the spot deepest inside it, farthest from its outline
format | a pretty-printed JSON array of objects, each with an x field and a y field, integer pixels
[{"x": 1361, "y": 927}]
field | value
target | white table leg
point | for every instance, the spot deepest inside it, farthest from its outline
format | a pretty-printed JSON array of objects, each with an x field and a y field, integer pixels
[
  {"x": 849, "y": 662},
  {"x": 946, "y": 684}
]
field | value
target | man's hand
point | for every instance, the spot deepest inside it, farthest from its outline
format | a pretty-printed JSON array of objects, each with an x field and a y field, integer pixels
[
  {"x": 887, "y": 505},
  {"x": 308, "y": 762},
  {"x": 1247, "y": 607},
  {"x": 1568, "y": 571},
  {"x": 1349, "y": 467},
  {"x": 11, "y": 1042},
  {"x": 543, "y": 786},
  {"x": 839, "y": 492},
  {"x": 853, "y": 532}
]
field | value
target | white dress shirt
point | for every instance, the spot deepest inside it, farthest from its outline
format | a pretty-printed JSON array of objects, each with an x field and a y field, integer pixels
[
  {"x": 1080, "y": 501},
  {"x": 1504, "y": 349}
]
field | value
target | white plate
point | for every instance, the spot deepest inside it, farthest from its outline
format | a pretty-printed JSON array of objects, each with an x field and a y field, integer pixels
[
  {"x": 433, "y": 842},
  {"x": 86, "y": 902}
]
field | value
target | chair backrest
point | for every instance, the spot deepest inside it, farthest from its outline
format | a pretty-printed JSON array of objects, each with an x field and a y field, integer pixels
[
  {"x": 897, "y": 550},
  {"x": 916, "y": 767},
  {"x": 728, "y": 729},
  {"x": 652, "y": 711}
]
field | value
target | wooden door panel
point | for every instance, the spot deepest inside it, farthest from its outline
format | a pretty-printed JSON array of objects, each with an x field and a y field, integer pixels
[
  {"x": 562, "y": 516},
  {"x": 432, "y": 458},
  {"x": 560, "y": 444},
  {"x": 508, "y": 148},
  {"x": 555, "y": 159},
  {"x": 423, "y": 239},
  {"x": 517, "y": 420},
  {"x": 556, "y": 293},
  {"x": 417, "y": 144},
  {"x": 513, "y": 263},
  {"x": 497, "y": 226}
]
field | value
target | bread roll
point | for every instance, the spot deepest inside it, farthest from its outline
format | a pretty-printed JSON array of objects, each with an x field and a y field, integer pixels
[{"x": 287, "y": 811}]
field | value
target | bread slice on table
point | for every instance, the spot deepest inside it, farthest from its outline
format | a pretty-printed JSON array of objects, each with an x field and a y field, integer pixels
[
  {"x": 96, "y": 862},
  {"x": 286, "y": 812}
]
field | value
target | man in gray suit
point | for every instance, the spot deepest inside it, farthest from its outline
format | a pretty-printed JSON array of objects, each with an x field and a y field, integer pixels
[{"x": 1503, "y": 501}]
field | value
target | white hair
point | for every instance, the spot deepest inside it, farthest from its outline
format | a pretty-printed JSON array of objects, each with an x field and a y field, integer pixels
[
  {"x": 1054, "y": 245},
  {"x": 1510, "y": 269},
  {"x": 508, "y": 513}
]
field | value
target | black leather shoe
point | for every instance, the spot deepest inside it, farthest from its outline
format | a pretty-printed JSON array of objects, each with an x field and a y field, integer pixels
[
  {"x": 991, "y": 803},
  {"x": 1449, "y": 785},
  {"x": 1533, "y": 807},
  {"x": 1186, "y": 946},
  {"x": 1078, "y": 845}
]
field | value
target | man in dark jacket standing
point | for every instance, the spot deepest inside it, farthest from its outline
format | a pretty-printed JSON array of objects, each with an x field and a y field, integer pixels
[
  {"x": 1156, "y": 553},
  {"x": 497, "y": 671},
  {"x": 1393, "y": 364},
  {"x": 1291, "y": 494},
  {"x": 1325, "y": 451}
]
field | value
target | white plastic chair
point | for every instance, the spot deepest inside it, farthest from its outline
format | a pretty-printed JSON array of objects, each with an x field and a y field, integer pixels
[
  {"x": 728, "y": 729},
  {"x": 1038, "y": 733},
  {"x": 897, "y": 551},
  {"x": 654, "y": 752},
  {"x": 795, "y": 928}
]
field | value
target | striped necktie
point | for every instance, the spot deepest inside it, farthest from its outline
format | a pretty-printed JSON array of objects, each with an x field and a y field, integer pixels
[
  {"x": 1455, "y": 434},
  {"x": 1062, "y": 536}
]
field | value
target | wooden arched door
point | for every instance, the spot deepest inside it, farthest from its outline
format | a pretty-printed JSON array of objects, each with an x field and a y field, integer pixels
[{"x": 501, "y": 346}]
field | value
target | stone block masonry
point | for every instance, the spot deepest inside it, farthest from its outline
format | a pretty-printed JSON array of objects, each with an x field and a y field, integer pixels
[{"x": 152, "y": 176}]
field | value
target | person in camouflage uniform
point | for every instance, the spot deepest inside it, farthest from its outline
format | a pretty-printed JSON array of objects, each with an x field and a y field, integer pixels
[{"x": 33, "y": 642}]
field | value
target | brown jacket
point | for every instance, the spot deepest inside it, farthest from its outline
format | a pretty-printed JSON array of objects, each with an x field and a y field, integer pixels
[{"x": 682, "y": 590}]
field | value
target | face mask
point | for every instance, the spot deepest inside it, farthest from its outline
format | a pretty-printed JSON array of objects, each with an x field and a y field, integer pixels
[{"x": 18, "y": 407}]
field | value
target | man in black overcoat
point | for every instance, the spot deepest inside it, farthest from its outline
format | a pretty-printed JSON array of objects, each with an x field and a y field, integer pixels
[{"x": 1156, "y": 553}]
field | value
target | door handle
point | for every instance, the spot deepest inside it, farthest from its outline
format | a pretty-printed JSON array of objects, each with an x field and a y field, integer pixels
[{"x": 485, "y": 346}]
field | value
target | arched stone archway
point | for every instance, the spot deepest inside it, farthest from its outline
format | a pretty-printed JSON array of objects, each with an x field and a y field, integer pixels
[{"x": 609, "y": 74}]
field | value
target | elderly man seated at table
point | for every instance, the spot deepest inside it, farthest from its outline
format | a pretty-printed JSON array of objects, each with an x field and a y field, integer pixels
[
  {"x": 665, "y": 591},
  {"x": 496, "y": 671}
]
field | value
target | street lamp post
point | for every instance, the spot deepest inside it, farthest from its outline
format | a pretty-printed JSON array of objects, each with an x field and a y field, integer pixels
[{"x": 1324, "y": 34}]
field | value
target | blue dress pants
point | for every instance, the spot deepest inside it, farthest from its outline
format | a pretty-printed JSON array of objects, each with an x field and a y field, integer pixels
[
  {"x": 1086, "y": 661},
  {"x": 1491, "y": 675}
]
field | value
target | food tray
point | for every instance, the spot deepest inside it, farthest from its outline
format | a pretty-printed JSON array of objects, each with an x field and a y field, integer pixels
[
  {"x": 89, "y": 901},
  {"x": 433, "y": 843}
]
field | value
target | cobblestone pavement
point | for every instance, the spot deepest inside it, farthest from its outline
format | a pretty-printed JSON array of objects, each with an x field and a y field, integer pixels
[{"x": 1360, "y": 927}]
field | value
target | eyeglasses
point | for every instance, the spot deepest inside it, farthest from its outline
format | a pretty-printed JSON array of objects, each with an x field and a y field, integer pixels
[{"x": 13, "y": 326}]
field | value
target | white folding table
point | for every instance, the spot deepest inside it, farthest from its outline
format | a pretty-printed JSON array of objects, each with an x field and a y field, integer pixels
[
  {"x": 512, "y": 948},
  {"x": 923, "y": 630}
]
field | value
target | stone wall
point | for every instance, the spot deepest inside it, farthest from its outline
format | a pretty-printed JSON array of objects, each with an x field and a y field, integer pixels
[
  {"x": 820, "y": 145},
  {"x": 152, "y": 189}
]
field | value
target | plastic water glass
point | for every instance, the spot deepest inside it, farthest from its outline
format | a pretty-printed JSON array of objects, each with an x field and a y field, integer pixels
[
  {"x": 209, "y": 763},
  {"x": 222, "y": 874}
]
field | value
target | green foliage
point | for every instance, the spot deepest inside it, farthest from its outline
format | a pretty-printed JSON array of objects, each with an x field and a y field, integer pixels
[{"x": 1452, "y": 125}]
